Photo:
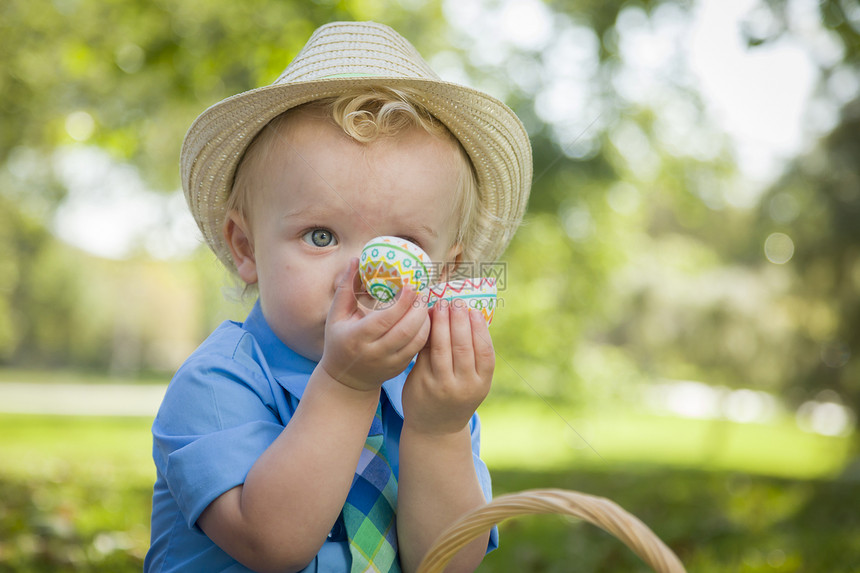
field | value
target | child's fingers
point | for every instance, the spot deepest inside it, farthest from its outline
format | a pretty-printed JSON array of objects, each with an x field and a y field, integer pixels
[
  {"x": 485, "y": 355},
  {"x": 412, "y": 330},
  {"x": 462, "y": 349},
  {"x": 343, "y": 303},
  {"x": 406, "y": 313},
  {"x": 414, "y": 339},
  {"x": 440, "y": 339}
]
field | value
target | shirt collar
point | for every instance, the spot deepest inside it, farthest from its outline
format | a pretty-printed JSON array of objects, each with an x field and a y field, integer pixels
[{"x": 291, "y": 370}]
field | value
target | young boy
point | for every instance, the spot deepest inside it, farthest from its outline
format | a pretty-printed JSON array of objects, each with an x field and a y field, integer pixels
[{"x": 289, "y": 441}]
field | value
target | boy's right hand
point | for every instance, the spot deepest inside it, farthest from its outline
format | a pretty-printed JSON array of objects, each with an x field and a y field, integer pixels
[{"x": 363, "y": 348}]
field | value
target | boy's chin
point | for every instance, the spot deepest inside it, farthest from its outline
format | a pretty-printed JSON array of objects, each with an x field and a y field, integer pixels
[
  {"x": 307, "y": 348},
  {"x": 312, "y": 355}
]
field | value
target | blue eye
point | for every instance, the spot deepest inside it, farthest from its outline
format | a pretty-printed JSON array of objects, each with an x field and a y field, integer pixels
[{"x": 319, "y": 238}]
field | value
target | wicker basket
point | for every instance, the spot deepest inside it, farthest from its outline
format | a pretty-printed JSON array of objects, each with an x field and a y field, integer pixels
[{"x": 596, "y": 510}]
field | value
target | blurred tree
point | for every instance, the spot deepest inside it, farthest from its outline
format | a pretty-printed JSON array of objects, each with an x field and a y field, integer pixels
[
  {"x": 816, "y": 208},
  {"x": 39, "y": 293},
  {"x": 131, "y": 75},
  {"x": 635, "y": 263},
  {"x": 648, "y": 263},
  {"x": 811, "y": 218},
  {"x": 127, "y": 76}
]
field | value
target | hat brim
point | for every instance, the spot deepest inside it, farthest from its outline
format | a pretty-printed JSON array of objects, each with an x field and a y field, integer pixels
[{"x": 491, "y": 134}]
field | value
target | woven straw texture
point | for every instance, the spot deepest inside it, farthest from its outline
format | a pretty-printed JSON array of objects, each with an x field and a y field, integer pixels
[
  {"x": 599, "y": 511},
  {"x": 337, "y": 58}
]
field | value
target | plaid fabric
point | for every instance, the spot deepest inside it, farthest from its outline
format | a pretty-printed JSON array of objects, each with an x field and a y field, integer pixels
[{"x": 368, "y": 513}]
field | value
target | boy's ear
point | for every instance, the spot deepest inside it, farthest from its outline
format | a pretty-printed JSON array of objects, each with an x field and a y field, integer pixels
[
  {"x": 238, "y": 237},
  {"x": 452, "y": 261}
]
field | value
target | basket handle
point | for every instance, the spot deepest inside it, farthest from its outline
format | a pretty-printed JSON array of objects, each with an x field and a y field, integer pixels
[{"x": 598, "y": 511}]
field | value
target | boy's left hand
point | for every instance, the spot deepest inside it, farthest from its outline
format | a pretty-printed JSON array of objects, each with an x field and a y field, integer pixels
[{"x": 453, "y": 372}]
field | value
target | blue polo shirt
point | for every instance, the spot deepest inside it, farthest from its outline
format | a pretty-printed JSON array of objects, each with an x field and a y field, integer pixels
[{"x": 226, "y": 404}]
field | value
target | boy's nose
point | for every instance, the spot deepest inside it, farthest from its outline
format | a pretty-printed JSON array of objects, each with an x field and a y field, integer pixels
[{"x": 348, "y": 275}]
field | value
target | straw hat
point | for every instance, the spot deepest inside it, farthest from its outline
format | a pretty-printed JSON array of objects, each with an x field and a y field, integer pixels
[{"x": 337, "y": 58}]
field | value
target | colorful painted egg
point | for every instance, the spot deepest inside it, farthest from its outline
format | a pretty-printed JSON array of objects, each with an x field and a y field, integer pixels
[
  {"x": 478, "y": 293},
  {"x": 388, "y": 263}
]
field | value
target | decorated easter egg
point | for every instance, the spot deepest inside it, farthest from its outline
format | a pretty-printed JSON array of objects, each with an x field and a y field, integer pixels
[
  {"x": 387, "y": 264},
  {"x": 477, "y": 293}
]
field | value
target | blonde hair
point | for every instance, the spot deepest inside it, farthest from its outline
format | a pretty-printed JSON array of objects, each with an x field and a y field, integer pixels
[{"x": 367, "y": 115}]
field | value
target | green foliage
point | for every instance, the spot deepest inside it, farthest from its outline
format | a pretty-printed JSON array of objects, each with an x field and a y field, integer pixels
[
  {"x": 715, "y": 522},
  {"x": 622, "y": 274},
  {"x": 527, "y": 432},
  {"x": 49, "y": 525},
  {"x": 537, "y": 329},
  {"x": 141, "y": 71},
  {"x": 75, "y": 496},
  {"x": 817, "y": 205},
  {"x": 40, "y": 289},
  {"x": 74, "y": 493},
  {"x": 637, "y": 261}
]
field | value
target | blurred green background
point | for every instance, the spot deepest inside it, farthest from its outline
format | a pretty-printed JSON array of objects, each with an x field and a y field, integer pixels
[{"x": 680, "y": 321}]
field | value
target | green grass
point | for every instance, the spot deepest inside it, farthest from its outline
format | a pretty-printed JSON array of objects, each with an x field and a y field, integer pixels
[
  {"x": 531, "y": 434},
  {"x": 524, "y": 435},
  {"x": 75, "y": 492},
  {"x": 88, "y": 447},
  {"x": 76, "y": 377},
  {"x": 715, "y": 521}
]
